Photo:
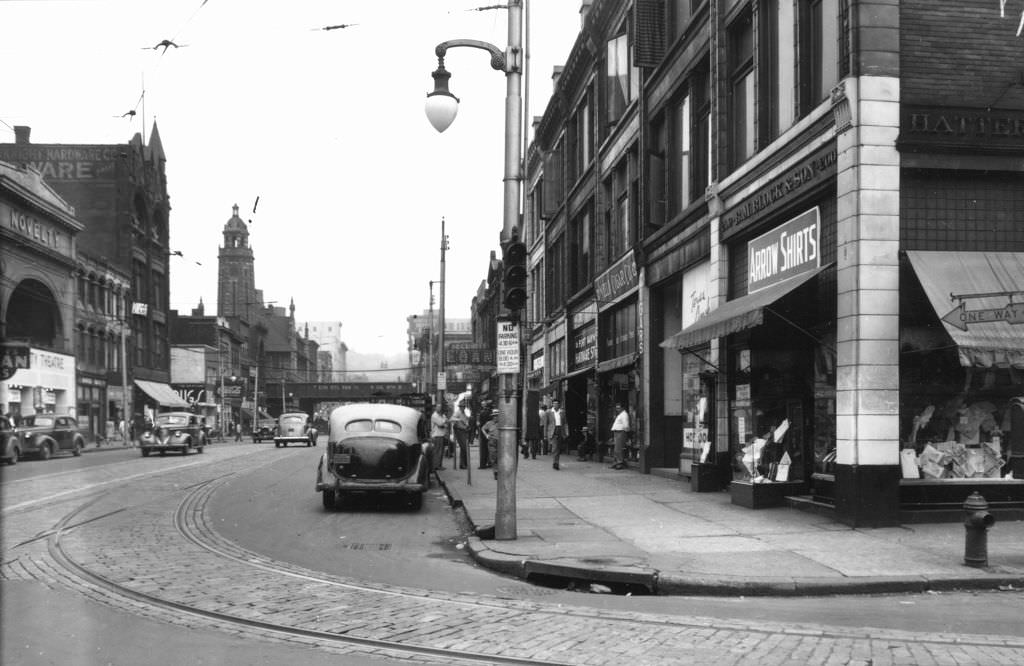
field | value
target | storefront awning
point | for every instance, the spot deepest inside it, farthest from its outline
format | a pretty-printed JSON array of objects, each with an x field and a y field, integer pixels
[
  {"x": 162, "y": 394},
  {"x": 736, "y": 315},
  {"x": 979, "y": 297}
]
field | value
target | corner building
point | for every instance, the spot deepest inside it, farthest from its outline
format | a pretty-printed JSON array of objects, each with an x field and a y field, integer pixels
[{"x": 823, "y": 203}]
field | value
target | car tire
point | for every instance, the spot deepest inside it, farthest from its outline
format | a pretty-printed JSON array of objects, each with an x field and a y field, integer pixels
[
  {"x": 199, "y": 449},
  {"x": 416, "y": 502},
  {"x": 13, "y": 458},
  {"x": 45, "y": 452},
  {"x": 77, "y": 451},
  {"x": 330, "y": 499},
  {"x": 145, "y": 453}
]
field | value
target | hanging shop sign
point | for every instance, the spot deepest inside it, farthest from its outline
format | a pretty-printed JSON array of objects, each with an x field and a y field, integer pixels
[
  {"x": 784, "y": 252},
  {"x": 508, "y": 347},
  {"x": 781, "y": 191},
  {"x": 461, "y": 353}
]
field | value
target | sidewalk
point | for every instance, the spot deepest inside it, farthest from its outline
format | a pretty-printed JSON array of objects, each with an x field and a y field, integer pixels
[{"x": 597, "y": 525}]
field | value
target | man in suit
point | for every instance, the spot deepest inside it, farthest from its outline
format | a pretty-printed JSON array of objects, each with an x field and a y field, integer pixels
[
  {"x": 559, "y": 427},
  {"x": 544, "y": 425}
]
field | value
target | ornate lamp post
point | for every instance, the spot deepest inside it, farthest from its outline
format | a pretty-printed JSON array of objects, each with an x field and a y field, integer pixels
[{"x": 441, "y": 108}]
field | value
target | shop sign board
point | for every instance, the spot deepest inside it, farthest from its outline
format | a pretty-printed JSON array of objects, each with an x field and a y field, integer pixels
[
  {"x": 469, "y": 354},
  {"x": 786, "y": 251},
  {"x": 14, "y": 356},
  {"x": 36, "y": 230},
  {"x": 508, "y": 347},
  {"x": 616, "y": 281},
  {"x": 778, "y": 193},
  {"x": 961, "y": 317},
  {"x": 696, "y": 293},
  {"x": 980, "y": 129},
  {"x": 584, "y": 346}
]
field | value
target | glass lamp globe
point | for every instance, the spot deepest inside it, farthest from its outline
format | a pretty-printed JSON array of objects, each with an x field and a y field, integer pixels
[{"x": 441, "y": 108}]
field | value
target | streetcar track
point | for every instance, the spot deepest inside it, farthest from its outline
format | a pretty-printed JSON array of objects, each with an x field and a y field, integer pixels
[{"x": 189, "y": 520}]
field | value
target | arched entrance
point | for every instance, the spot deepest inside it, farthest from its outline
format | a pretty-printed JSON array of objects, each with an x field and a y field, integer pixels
[{"x": 33, "y": 315}]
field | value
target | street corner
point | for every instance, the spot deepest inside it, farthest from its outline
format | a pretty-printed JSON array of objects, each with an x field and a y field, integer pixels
[{"x": 506, "y": 563}]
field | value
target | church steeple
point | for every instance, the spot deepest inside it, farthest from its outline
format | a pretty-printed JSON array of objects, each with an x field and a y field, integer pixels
[{"x": 236, "y": 272}]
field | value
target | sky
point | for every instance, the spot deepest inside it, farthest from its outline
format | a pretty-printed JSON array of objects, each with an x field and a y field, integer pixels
[{"x": 325, "y": 127}]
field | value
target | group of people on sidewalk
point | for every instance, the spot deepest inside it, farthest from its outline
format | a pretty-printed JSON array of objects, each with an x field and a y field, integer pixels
[{"x": 452, "y": 436}]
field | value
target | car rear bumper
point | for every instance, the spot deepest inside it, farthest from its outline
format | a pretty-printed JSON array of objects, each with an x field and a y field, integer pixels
[
  {"x": 292, "y": 438},
  {"x": 410, "y": 486}
]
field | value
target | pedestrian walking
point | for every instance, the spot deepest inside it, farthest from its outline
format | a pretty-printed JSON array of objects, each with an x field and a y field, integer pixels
[
  {"x": 545, "y": 425},
  {"x": 238, "y": 431},
  {"x": 460, "y": 428},
  {"x": 438, "y": 436},
  {"x": 620, "y": 432},
  {"x": 486, "y": 457},
  {"x": 558, "y": 431}
]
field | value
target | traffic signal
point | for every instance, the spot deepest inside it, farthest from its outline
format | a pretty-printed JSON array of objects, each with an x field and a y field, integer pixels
[{"x": 514, "y": 279}]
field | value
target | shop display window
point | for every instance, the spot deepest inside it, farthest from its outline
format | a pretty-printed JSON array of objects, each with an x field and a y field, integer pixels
[
  {"x": 956, "y": 422},
  {"x": 768, "y": 397}
]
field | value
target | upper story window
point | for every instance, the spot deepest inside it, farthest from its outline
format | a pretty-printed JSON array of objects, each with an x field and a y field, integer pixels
[
  {"x": 742, "y": 112},
  {"x": 554, "y": 274},
  {"x": 623, "y": 78},
  {"x": 581, "y": 268},
  {"x": 778, "y": 53},
  {"x": 553, "y": 187},
  {"x": 821, "y": 36},
  {"x": 579, "y": 140}
]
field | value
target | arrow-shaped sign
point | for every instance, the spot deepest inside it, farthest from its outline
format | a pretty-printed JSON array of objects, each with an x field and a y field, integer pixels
[{"x": 961, "y": 317}]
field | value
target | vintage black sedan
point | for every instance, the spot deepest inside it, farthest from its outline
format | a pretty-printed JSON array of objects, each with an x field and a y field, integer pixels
[
  {"x": 44, "y": 435},
  {"x": 173, "y": 431},
  {"x": 295, "y": 428},
  {"x": 374, "y": 449},
  {"x": 10, "y": 442}
]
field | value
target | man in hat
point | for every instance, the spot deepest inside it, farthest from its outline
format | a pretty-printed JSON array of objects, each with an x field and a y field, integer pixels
[{"x": 490, "y": 433}]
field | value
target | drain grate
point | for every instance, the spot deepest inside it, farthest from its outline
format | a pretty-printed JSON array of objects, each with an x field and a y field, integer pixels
[{"x": 368, "y": 546}]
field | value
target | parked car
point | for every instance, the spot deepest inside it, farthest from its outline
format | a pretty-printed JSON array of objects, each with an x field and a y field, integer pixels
[
  {"x": 374, "y": 449},
  {"x": 295, "y": 428},
  {"x": 10, "y": 442},
  {"x": 44, "y": 435},
  {"x": 265, "y": 429},
  {"x": 174, "y": 431}
]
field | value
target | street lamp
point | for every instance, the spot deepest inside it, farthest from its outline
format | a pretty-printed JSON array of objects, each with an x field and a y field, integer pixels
[{"x": 441, "y": 109}]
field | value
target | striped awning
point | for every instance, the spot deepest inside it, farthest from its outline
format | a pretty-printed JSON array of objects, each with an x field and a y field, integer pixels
[
  {"x": 979, "y": 298},
  {"x": 162, "y": 394}
]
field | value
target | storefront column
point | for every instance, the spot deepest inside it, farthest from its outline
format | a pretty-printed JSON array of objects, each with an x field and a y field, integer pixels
[
  {"x": 867, "y": 350},
  {"x": 718, "y": 289}
]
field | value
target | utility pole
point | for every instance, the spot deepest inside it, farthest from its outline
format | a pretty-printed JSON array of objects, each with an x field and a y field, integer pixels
[
  {"x": 430, "y": 345},
  {"x": 124, "y": 380},
  {"x": 441, "y": 326}
]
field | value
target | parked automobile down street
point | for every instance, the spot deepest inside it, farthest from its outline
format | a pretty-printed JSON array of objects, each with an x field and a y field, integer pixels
[
  {"x": 44, "y": 435},
  {"x": 173, "y": 431},
  {"x": 10, "y": 442}
]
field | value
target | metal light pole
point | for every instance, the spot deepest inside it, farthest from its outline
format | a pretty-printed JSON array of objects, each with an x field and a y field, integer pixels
[
  {"x": 430, "y": 344},
  {"x": 124, "y": 381},
  {"x": 440, "y": 341},
  {"x": 441, "y": 109}
]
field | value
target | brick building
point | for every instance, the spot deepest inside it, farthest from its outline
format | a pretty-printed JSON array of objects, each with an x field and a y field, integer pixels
[{"x": 748, "y": 218}]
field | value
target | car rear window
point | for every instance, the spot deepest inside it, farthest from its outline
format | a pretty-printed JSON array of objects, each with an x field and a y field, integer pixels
[
  {"x": 362, "y": 425},
  {"x": 387, "y": 426},
  {"x": 293, "y": 419}
]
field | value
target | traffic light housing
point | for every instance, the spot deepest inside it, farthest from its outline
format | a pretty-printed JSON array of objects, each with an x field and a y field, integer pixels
[{"x": 514, "y": 277}]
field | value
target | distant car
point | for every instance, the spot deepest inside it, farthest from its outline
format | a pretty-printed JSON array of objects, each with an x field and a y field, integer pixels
[
  {"x": 374, "y": 449},
  {"x": 295, "y": 428},
  {"x": 44, "y": 435},
  {"x": 265, "y": 429},
  {"x": 174, "y": 431},
  {"x": 10, "y": 442}
]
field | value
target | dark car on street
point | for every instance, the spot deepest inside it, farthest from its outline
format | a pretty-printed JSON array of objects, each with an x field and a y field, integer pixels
[
  {"x": 10, "y": 442},
  {"x": 174, "y": 431},
  {"x": 295, "y": 428},
  {"x": 45, "y": 435},
  {"x": 374, "y": 449},
  {"x": 264, "y": 429}
]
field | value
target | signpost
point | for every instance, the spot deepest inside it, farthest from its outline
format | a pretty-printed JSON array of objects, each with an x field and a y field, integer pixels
[
  {"x": 961, "y": 317},
  {"x": 508, "y": 347}
]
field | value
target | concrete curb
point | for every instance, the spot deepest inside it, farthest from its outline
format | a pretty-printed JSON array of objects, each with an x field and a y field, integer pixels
[{"x": 674, "y": 584}]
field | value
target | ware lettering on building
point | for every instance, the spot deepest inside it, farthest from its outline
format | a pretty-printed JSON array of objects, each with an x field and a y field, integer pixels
[{"x": 67, "y": 163}]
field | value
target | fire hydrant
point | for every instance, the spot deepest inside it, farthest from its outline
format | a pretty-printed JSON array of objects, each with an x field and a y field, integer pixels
[{"x": 977, "y": 520}]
